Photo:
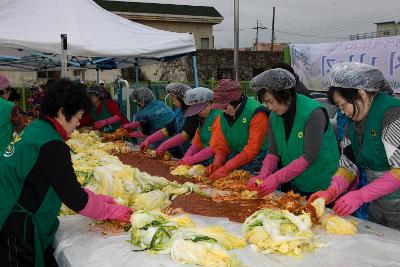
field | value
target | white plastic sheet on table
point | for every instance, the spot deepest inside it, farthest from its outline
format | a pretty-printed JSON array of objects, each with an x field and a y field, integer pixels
[{"x": 373, "y": 245}]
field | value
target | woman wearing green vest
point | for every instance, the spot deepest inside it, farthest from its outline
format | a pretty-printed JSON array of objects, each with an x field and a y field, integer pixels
[
  {"x": 371, "y": 142},
  {"x": 199, "y": 101},
  {"x": 37, "y": 176},
  {"x": 239, "y": 138},
  {"x": 300, "y": 136},
  {"x": 105, "y": 115},
  {"x": 6, "y": 108}
]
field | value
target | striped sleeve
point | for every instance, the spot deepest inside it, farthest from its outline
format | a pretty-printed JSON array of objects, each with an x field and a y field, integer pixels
[{"x": 391, "y": 141}]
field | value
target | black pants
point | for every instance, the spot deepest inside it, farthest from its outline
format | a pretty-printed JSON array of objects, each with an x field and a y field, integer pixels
[{"x": 13, "y": 252}]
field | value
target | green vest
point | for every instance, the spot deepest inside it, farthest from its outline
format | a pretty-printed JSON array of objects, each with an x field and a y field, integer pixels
[
  {"x": 372, "y": 154},
  {"x": 318, "y": 175},
  {"x": 6, "y": 130},
  {"x": 206, "y": 129},
  {"x": 15, "y": 165},
  {"x": 105, "y": 114},
  {"x": 237, "y": 134}
]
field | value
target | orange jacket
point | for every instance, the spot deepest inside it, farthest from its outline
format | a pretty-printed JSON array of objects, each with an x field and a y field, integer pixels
[{"x": 257, "y": 132}]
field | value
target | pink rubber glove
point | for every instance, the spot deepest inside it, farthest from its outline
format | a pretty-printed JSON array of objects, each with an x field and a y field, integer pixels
[
  {"x": 337, "y": 187},
  {"x": 193, "y": 149},
  {"x": 175, "y": 141},
  {"x": 131, "y": 125},
  {"x": 221, "y": 172},
  {"x": 284, "y": 175},
  {"x": 137, "y": 134},
  {"x": 270, "y": 164},
  {"x": 219, "y": 160},
  {"x": 201, "y": 156},
  {"x": 100, "y": 208},
  {"x": 105, "y": 198},
  {"x": 100, "y": 124},
  {"x": 384, "y": 185},
  {"x": 157, "y": 136}
]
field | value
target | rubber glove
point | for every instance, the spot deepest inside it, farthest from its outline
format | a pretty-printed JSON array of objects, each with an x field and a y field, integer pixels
[
  {"x": 100, "y": 124},
  {"x": 137, "y": 134},
  {"x": 100, "y": 208},
  {"x": 155, "y": 137},
  {"x": 193, "y": 149},
  {"x": 218, "y": 163},
  {"x": 201, "y": 156},
  {"x": 131, "y": 125},
  {"x": 338, "y": 186},
  {"x": 175, "y": 141},
  {"x": 384, "y": 185},
  {"x": 284, "y": 175},
  {"x": 221, "y": 172},
  {"x": 270, "y": 164}
]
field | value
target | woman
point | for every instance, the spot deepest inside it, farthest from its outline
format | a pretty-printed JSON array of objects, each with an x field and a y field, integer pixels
[
  {"x": 37, "y": 176},
  {"x": 240, "y": 136},
  {"x": 8, "y": 114},
  {"x": 152, "y": 115},
  {"x": 199, "y": 101},
  {"x": 182, "y": 129},
  {"x": 371, "y": 142},
  {"x": 300, "y": 136},
  {"x": 105, "y": 115}
]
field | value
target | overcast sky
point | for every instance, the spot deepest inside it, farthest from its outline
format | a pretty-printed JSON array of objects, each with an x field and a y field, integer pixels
[{"x": 297, "y": 21}]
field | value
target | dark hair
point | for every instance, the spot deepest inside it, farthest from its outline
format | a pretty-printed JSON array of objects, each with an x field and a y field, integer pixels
[
  {"x": 283, "y": 65},
  {"x": 14, "y": 95},
  {"x": 281, "y": 96},
  {"x": 260, "y": 95},
  {"x": 68, "y": 95},
  {"x": 183, "y": 105},
  {"x": 351, "y": 96}
]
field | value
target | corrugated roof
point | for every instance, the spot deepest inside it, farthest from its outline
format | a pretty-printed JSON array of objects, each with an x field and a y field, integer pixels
[{"x": 157, "y": 8}]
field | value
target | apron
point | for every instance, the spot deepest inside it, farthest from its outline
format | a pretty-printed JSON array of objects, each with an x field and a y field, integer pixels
[{"x": 384, "y": 210}]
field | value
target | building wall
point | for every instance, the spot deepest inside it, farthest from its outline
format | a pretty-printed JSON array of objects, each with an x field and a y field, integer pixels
[
  {"x": 387, "y": 27},
  {"x": 216, "y": 64},
  {"x": 200, "y": 30}
]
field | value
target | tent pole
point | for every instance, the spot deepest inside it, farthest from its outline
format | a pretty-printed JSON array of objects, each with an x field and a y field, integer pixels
[
  {"x": 64, "y": 58},
  {"x": 97, "y": 76},
  {"x": 137, "y": 69},
  {"x": 195, "y": 72}
]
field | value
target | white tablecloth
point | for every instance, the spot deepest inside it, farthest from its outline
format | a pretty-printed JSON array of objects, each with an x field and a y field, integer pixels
[{"x": 77, "y": 245}]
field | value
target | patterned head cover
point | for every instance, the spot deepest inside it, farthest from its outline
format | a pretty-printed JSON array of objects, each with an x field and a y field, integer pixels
[
  {"x": 142, "y": 94},
  {"x": 354, "y": 75},
  {"x": 177, "y": 89},
  {"x": 273, "y": 79}
]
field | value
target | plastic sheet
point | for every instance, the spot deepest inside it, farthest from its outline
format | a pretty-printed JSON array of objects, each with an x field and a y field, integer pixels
[{"x": 373, "y": 245}]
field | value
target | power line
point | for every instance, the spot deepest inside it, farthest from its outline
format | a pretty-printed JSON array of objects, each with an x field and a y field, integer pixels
[
  {"x": 349, "y": 23},
  {"x": 299, "y": 17}
]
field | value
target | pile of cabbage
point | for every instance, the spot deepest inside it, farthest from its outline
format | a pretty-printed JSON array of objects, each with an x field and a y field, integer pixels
[
  {"x": 105, "y": 174},
  {"x": 280, "y": 232},
  {"x": 157, "y": 233}
]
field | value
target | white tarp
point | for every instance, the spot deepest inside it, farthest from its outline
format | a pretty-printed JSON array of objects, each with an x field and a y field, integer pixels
[
  {"x": 312, "y": 62},
  {"x": 36, "y": 25},
  {"x": 373, "y": 245}
]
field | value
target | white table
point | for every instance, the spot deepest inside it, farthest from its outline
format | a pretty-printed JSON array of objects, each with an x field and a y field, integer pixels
[{"x": 373, "y": 245}]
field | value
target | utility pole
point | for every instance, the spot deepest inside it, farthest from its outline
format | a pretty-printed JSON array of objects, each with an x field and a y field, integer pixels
[
  {"x": 236, "y": 40},
  {"x": 255, "y": 48},
  {"x": 257, "y": 28},
  {"x": 273, "y": 29}
]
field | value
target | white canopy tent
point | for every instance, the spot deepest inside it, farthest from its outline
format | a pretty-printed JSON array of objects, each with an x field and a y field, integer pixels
[{"x": 30, "y": 37}]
